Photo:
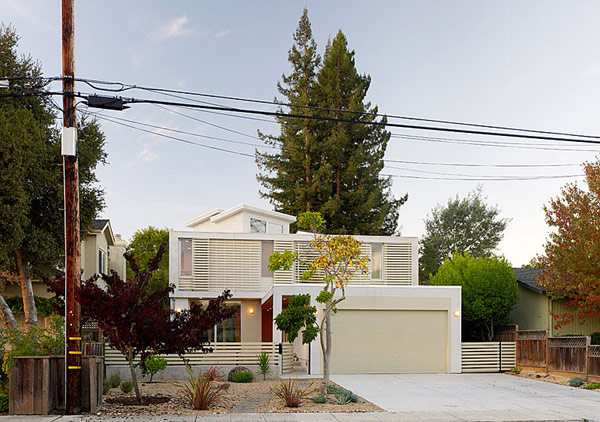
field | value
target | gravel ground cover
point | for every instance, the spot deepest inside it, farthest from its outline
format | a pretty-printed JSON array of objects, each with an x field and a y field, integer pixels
[
  {"x": 237, "y": 398},
  {"x": 555, "y": 379}
]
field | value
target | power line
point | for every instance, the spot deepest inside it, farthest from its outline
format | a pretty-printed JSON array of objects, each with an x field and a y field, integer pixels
[
  {"x": 474, "y": 175},
  {"x": 499, "y": 179},
  {"x": 362, "y": 113},
  {"x": 187, "y": 141},
  {"x": 479, "y": 165}
]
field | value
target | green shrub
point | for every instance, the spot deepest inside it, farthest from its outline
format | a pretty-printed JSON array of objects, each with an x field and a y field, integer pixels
[
  {"x": 115, "y": 380},
  {"x": 127, "y": 386},
  {"x": 576, "y": 382},
  {"x": 264, "y": 364},
  {"x": 334, "y": 389},
  {"x": 201, "y": 391},
  {"x": 3, "y": 403},
  {"x": 48, "y": 341},
  {"x": 106, "y": 386},
  {"x": 593, "y": 386},
  {"x": 515, "y": 370},
  {"x": 321, "y": 398},
  {"x": 153, "y": 364},
  {"x": 595, "y": 338},
  {"x": 346, "y": 397},
  {"x": 243, "y": 377}
]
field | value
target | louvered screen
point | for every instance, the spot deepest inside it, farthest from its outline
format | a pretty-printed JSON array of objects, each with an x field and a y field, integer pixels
[
  {"x": 283, "y": 277},
  {"x": 397, "y": 263}
]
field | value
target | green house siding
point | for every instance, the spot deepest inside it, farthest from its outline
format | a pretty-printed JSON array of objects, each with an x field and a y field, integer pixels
[
  {"x": 588, "y": 327},
  {"x": 531, "y": 313}
]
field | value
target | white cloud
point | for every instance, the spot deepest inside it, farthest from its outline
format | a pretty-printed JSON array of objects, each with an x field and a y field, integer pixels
[
  {"x": 147, "y": 155},
  {"x": 175, "y": 28},
  {"x": 223, "y": 33}
]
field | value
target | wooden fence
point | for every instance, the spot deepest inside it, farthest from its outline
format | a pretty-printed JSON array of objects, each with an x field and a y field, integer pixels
[
  {"x": 535, "y": 349},
  {"x": 223, "y": 353},
  {"x": 494, "y": 356}
]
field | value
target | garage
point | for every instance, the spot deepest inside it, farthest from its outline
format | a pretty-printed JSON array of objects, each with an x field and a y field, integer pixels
[{"x": 371, "y": 341}]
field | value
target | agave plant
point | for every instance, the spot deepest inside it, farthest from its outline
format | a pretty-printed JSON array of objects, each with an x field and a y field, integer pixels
[{"x": 201, "y": 391}]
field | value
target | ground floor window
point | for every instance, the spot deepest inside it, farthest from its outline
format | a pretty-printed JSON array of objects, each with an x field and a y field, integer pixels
[{"x": 229, "y": 330}]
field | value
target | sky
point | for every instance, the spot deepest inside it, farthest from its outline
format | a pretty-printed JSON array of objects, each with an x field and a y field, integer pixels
[{"x": 532, "y": 64}]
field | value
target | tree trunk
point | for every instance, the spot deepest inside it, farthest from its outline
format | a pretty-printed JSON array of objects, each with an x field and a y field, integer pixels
[
  {"x": 327, "y": 351},
  {"x": 29, "y": 308},
  {"x": 136, "y": 387},
  {"x": 6, "y": 316}
]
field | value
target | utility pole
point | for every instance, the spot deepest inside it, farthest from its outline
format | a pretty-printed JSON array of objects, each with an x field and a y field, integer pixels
[{"x": 72, "y": 242}]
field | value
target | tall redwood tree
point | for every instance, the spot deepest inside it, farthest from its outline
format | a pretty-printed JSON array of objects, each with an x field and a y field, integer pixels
[{"x": 572, "y": 252}]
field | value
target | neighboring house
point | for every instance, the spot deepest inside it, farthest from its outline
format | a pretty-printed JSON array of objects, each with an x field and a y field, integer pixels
[
  {"x": 101, "y": 251},
  {"x": 535, "y": 308},
  {"x": 387, "y": 324}
]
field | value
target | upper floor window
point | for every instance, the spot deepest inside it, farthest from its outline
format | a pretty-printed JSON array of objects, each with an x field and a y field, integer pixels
[
  {"x": 274, "y": 228},
  {"x": 376, "y": 261},
  {"x": 102, "y": 262},
  {"x": 266, "y": 252},
  {"x": 258, "y": 226},
  {"x": 185, "y": 253}
]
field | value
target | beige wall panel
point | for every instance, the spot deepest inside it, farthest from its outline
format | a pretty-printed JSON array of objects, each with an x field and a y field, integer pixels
[
  {"x": 251, "y": 322},
  {"x": 390, "y": 341},
  {"x": 391, "y": 302}
]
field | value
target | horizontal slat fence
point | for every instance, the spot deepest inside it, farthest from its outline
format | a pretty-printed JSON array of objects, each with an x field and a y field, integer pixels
[
  {"x": 494, "y": 356},
  {"x": 233, "y": 353},
  {"x": 287, "y": 358}
]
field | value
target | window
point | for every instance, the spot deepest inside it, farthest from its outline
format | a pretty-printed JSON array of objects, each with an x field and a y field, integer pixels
[
  {"x": 266, "y": 252},
  {"x": 274, "y": 228},
  {"x": 102, "y": 262},
  {"x": 258, "y": 226},
  {"x": 376, "y": 261},
  {"x": 185, "y": 252},
  {"x": 230, "y": 330}
]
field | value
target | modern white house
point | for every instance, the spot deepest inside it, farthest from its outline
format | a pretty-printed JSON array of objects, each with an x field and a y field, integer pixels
[{"x": 387, "y": 324}]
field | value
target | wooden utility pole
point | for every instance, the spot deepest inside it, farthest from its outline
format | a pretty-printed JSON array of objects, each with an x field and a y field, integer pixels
[{"x": 72, "y": 242}]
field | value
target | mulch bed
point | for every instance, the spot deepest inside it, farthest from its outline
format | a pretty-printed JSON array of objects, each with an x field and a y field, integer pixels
[{"x": 132, "y": 401}]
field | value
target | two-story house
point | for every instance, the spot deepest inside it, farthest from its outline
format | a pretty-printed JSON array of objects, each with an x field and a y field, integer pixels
[{"x": 387, "y": 324}]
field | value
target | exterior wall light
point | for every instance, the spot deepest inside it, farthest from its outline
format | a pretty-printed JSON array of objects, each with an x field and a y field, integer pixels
[
  {"x": 457, "y": 313},
  {"x": 250, "y": 310},
  {"x": 178, "y": 310}
]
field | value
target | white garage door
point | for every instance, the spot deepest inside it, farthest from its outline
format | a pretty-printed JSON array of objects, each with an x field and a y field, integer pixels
[{"x": 389, "y": 341}]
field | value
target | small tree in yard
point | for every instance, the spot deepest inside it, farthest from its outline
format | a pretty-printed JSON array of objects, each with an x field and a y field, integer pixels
[
  {"x": 339, "y": 258},
  {"x": 135, "y": 320},
  {"x": 572, "y": 252},
  {"x": 489, "y": 292}
]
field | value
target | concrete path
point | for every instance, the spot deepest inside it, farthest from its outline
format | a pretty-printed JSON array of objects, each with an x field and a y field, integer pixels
[{"x": 473, "y": 397}]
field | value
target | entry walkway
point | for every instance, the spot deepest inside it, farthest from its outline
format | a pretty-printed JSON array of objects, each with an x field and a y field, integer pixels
[{"x": 473, "y": 397}]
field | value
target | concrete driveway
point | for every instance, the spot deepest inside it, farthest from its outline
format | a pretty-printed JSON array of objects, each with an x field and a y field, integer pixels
[{"x": 473, "y": 397}]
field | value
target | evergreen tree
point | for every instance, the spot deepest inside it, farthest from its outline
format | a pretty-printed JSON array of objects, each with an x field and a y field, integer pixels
[
  {"x": 31, "y": 180},
  {"x": 294, "y": 176},
  {"x": 331, "y": 168},
  {"x": 360, "y": 200}
]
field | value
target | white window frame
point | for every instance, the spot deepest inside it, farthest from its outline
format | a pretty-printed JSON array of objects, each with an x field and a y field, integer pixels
[
  {"x": 191, "y": 257},
  {"x": 263, "y": 273}
]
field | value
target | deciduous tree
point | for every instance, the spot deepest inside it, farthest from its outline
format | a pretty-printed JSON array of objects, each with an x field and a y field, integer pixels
[
  {"x": 572, "y": 252},
  {"x": 489, "y": 292},
  {"x": 31, "y": 179},
  {"x": 143, "y": 247},
  {"x": 339, "y": 259},
  {"x": 135, "y": 321},
  {"x": 463, "y": 225}
]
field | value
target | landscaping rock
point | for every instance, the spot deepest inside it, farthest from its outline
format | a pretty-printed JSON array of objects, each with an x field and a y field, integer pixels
[{"x": 235, "y": 371}]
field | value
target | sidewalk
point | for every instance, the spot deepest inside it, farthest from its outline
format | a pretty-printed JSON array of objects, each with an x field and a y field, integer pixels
[{"x": 301, "y": 417}]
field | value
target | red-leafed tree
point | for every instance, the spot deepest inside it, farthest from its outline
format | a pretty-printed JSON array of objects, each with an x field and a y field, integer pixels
[
  {"x": 137, "y": 323},
  {"x": 572, "y": 252}
]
